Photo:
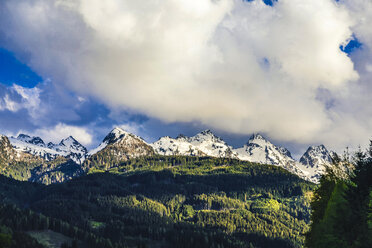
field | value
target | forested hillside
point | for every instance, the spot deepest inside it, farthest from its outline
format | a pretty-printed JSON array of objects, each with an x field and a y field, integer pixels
[{"x": 160, "y": 201}]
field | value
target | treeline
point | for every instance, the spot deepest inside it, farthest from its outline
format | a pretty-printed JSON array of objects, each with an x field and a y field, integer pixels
[{"x": 342, "y": 207}]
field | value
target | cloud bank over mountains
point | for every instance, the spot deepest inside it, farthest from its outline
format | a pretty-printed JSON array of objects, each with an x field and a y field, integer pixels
[{"x": 236, "y": 66}]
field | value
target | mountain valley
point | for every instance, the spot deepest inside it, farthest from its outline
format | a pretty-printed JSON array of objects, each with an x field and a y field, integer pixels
[{"x": 176, "y": 192}]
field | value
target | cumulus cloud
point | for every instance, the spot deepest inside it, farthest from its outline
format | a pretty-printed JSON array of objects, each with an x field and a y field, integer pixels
[
  {"x": 17, "y": 97},
  {"x": 236, "y": 66}
]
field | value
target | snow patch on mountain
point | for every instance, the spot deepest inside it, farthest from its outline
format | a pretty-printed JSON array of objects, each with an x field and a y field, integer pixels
[
  {"x": 36, "y": 150},
  {"x": 260, "y": 150},
  {"x": 212, "y": 145},
  {"x": 314, "y": 161},
  {"x": 180, "y": 146},
  {"x": 72, "y": 148},
  {"x": 31, "y": 140},
  {"x": 121, "y": 145},
  {"x": 202, "y": 144},
  {"x": 68, "y": 147}
]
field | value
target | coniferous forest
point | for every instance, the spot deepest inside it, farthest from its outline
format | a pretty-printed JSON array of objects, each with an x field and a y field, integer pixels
[
  {"x": 163, "y": 202},
  {"x": 178, "y": 201}
]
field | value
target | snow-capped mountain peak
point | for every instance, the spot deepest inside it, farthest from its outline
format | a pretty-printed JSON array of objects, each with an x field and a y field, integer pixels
[
  {"x": 204, "y": 136},
  {"x": 31, "y": 140},
  {"x": 179, "y": 146},
  {"x": 68, "y": 147},
  {"x": 314, "y": 162},
  {"x": 51, "y": 145},
  {"x": 256, "y": 136},
  {"x": 120, "y": 145},
  {"x": 260, "y": 150},
  {"x": 116, "y": 134},
  {"x": 24, "y": 137},
  {"x": 70, "y": 142},
  {"x": 204, "y": 143},
  {"x": 316, "y": 155},
  {"x": 259, "y": 140},
  {"x": 73, "y": 148},
  {"x": 180, "y": 136}
]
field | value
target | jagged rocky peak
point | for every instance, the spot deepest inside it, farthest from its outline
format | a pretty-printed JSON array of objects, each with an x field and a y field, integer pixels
[
  {"x": 24, "y": 137},
  {"x": 315, "y": 156},
  {"x": 71, "y": 142},
  {"x": 181, "y": 137},
  {"x": 116, "y": 134},
  {"x": 119, "y": 146},
  {"x": 37, "y": 141},
  {"x": 258, "y": 149},
  {"x": 206, "y": 135},
  {"x": 68, "y": 148},
  {"x": 256, "y": 136},
  {"x": 207, "y": 132},
  {"x": 285, "y": 151},
  {"x": 71, "y": 145},
  {"x": 51, "y": 145},
  {"x": 119, "y": 137},
  {"x": 31, "y": 140},
  {"x": 259, "y": 140}
]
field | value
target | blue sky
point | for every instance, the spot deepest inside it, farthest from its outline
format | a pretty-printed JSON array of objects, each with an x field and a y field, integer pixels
[
  {"x": 66, "y": 70},
  {"x": 14, "y": 71},
  {"x": 65, "y": 107}
]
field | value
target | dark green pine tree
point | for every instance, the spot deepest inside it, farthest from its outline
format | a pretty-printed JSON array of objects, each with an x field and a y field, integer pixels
[
  {"x": 358, "y": 197},
  {"x": 342, "y": 209}
]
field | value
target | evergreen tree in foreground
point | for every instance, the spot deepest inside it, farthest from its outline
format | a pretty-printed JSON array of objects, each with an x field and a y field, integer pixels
[{"x": 342, "y": 208}]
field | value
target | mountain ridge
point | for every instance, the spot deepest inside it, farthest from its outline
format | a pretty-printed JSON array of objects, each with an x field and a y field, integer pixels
[
  {"x": 68, "y": 147},
  {"x": 119, "y": 146}
]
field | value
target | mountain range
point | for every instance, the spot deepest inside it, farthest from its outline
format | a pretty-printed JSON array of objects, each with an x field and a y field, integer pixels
[{"x": 68, "y": 159}]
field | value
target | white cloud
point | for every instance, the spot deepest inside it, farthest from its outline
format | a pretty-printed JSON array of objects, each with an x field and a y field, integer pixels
[
  {"x": 236, "y": 66},
  {"x": 30, "y": 99},
  {"x": 62, "y": 131},
  {"x": 18, "y": 97},
  {"x": 8, "y": 104}
]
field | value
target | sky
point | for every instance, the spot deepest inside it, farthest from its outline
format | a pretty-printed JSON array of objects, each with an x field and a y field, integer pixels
[{"x": 296, "y": 71}]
